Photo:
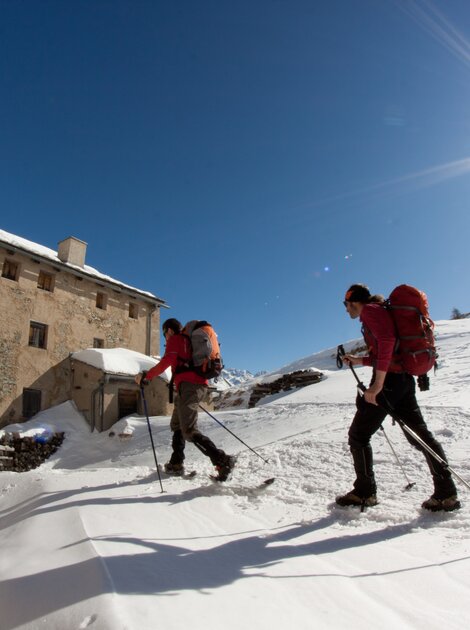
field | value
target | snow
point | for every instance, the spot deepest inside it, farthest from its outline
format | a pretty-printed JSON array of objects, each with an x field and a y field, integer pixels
[
  {"x": 115, "y": 360},
  {"x": 90, "y": 541},
  {"x": 119, "y": 361}
]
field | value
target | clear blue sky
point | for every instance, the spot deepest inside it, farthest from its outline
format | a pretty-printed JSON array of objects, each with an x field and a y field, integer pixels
[{"x": 246, "y": 161}]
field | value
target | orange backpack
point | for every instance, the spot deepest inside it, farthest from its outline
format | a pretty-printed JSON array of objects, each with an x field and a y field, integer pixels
[{"x": 206, "y": 358}]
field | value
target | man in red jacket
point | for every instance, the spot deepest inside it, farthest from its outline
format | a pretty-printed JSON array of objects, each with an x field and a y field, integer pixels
[
  {"x": 390, "y": 388},
  {"x": 191, "y": 391}
]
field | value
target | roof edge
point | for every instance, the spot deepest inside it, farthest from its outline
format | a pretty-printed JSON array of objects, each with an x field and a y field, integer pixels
[{"x": 148, "y": 297}]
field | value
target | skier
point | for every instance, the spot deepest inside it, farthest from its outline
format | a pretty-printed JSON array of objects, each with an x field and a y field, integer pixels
[
  {"x": 390, "y": 388},
  {"x": 191, "y": 391}
]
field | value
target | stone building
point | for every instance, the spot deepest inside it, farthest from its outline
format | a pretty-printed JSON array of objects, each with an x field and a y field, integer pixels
[{"x": 53, "y": 304}]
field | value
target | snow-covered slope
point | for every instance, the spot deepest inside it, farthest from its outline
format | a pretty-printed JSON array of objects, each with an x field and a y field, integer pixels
[{"x": 90, "y": 541}]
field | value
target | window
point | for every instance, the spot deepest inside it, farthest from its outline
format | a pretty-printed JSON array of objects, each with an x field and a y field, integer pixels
[
  {"x": 31, "y": 402},
  {"x": 101, "y": 301},
  {"x": 133, "y": 310},
  {"x": 46, "y": 281},
  {"x": 98, "y": 343},
  {"x": 10, "y": 270},
  {"x": 37, "y": 335}
]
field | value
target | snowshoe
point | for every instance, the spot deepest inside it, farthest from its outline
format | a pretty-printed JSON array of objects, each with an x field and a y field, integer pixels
[
  {"x": 447, "y": 505},
  {"x": 174, "y": 469},
  {"x": 351, "y": 498}
]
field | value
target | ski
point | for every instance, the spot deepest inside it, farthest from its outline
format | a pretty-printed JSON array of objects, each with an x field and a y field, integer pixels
[
  {"x": 193, "y": 473},
  {"x": 260, "y": 486},
  {"x": 189, "y": 475},
  {"x": 185, "y": 475},
  {"x": 267, "y": 482}
]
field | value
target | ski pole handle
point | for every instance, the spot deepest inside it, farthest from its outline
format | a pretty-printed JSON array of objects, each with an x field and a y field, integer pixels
[
  {"x": 339, "y": 356},
  {"x": 339, "y": 362}
]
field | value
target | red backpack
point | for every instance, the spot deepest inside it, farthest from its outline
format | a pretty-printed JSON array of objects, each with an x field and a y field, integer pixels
[{"x": 416, "y": 346}]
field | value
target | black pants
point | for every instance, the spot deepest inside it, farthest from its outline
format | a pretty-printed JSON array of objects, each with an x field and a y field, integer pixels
[{"x": 398, "y": 394}]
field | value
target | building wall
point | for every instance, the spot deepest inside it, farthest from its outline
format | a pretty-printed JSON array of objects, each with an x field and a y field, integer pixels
[{"x": 73, "y": 323}]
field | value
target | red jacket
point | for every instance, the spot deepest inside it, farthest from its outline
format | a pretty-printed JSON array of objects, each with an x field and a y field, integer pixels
[
  {"x": 379, "y": 334},
  {"x": 177, "y": 351}
]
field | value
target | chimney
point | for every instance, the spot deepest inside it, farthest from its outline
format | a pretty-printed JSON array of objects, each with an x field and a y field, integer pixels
[{"x": 72, "y": 250}]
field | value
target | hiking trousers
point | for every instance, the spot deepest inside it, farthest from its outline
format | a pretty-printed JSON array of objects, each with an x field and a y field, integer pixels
[
  {"x": 183, "y": 423},
  {"x": 399, "y": 394}
]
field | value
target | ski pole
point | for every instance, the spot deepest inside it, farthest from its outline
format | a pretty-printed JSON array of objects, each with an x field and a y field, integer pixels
[
  {"x": 231, "y": 433},
  {"x": 151, "y": 436},
  {"x": 410, "y": 484},
  {"x": 339, "y": 362},
  {"x": 422, "y": 443},
  {"x": 362, "y": 388}
]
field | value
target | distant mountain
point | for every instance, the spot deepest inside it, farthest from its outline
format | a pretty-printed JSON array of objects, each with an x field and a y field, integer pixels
[
  {"x": 324, "y": 360},
  {"x": 231, "y": 377}
]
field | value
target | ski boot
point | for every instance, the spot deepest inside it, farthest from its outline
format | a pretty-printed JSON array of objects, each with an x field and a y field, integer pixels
[{"x": 225, "y": 469}]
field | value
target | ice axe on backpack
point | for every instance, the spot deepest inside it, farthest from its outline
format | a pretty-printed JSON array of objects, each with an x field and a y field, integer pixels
[{"x": 362, "y": 388}]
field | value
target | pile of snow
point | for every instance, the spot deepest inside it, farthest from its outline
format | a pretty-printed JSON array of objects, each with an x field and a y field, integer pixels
[
  {"x": 115, "y": 360},
  {"x": 89, "y": 540},
  {"x": 119, "y": 361}
]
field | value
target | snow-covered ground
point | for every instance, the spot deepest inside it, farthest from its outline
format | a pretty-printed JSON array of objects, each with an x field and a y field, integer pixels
[{"x": 89, "y": 540}]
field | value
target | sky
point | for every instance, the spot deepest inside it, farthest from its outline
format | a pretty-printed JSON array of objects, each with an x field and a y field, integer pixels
[
  {"x": 245, "y": 161},
  {"x": 91, "y": 540}
]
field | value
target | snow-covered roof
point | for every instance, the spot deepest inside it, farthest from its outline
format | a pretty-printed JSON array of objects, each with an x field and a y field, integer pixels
[
  {"x": 115, "y": 360},
  {"x": 45, "y": 252}
]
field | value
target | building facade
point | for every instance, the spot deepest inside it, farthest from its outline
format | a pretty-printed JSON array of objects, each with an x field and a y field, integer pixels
[{"x": 52, "y": 304}]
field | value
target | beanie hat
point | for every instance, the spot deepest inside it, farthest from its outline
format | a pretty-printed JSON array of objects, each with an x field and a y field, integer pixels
[
  {"x": 358, "y": 293},
  {"x": 172, "y": 324}
]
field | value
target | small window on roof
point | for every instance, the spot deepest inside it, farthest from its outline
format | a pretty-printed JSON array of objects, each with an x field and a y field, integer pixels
[
  {"x": 133, "y": 310},
  {"x": 98, "y": 343}
]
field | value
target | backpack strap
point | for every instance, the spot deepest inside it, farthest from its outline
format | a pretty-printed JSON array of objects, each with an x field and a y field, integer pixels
[
  {"x": 182, "y": 365},
  {"x": 171, "y": 385},
  {"x": 366, "y": 332}
]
